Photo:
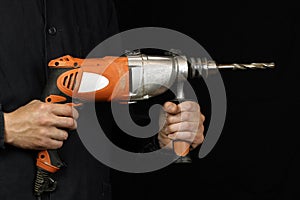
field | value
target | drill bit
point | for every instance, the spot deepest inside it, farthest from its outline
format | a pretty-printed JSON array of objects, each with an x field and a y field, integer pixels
[
  {"x": 204, "y": 67},
  {"x": 247, "y": 66}
]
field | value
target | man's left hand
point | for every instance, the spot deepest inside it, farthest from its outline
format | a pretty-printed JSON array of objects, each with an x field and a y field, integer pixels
[{"x": 182, "y": 122}]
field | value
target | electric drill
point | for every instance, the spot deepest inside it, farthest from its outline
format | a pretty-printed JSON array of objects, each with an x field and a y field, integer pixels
[{"x": 132, "y": 77}]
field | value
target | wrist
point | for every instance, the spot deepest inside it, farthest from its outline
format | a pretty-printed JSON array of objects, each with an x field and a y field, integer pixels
[
  {"x": 7, "y": 139},
  {"x": 2, "y": 129}
]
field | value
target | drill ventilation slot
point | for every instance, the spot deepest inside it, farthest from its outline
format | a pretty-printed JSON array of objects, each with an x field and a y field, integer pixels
[{"x": 70, "y": 80}]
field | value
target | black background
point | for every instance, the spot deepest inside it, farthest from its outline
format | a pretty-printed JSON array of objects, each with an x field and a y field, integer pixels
[{"x": 256, "y": 155}]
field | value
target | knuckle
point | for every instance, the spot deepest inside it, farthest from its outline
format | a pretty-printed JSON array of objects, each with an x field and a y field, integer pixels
[
  {"x": 44, "y": 121},
  {"x": 202, "y": 117},
  {"x": 200, "y": 130},
  {"x": 201, "y": 138},
  {"x": 43, "y": 106},
  {"x": 34, "y": 101},
  {"x": 43, "y": 132}
]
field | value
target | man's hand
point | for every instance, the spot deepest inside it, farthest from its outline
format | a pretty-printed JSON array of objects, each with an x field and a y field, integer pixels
[
  {"x": 39, "y": 125},
  {"x": 182, "y": 122}
]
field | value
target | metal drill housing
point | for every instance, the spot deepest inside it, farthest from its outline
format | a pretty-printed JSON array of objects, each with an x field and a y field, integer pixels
[{"x": 153, "y": 75}]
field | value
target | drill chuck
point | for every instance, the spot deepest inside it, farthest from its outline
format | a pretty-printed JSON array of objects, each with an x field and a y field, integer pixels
[{"x": 201, "y": 67}]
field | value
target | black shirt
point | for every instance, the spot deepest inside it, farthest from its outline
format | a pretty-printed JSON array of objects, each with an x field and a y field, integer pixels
[{"x": 33, "y": 32}]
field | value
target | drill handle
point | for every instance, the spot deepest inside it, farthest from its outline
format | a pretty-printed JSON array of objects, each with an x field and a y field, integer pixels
[
  {"x": 181, "y": 148},
  {"x": 48, "y": 162}
]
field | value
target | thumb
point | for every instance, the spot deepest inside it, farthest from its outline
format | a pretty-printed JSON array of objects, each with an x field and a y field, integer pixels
[{"x": 171, "y": 108}]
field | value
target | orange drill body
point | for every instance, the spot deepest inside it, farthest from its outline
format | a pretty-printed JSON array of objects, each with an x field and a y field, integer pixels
[{"x": 111, "y": 73}]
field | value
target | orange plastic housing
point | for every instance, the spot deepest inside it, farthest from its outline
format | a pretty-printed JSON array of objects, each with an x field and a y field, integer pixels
[
  {"x": 44, "y": 161},
  {"x": 115, "y": 69}
]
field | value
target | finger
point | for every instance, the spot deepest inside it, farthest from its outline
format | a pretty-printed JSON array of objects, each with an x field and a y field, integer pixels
[
  {"x": 54, "y": 144},
  {"x": 199, "y": 137},
  {"x": 75, "y": 113},
  {"x": 189, "y": 106},
  {"x": 163, "y": 134},
  {"x": 195, "y": 138},
  {"x": 171, "y": 108},
  {"x": 184, "y": 136},
  {"x": 65, "y": 122},
  {"x": 197, "y": 141},
  {"x": 64, "y": 110},
  {"x": 59, "y": 135},
  {"x": 182, "y": 127},
  {"x": 202, "y": 118},
  {"x": 184, "y": 116},
  {"x": 164, "y": 141}
]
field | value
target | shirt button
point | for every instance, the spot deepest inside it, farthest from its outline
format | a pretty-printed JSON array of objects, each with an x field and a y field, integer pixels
[{"x": 52, "y": 30}]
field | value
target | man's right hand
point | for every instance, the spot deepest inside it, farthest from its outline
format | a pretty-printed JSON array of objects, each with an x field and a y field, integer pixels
[{"x": 39, "y": 125}]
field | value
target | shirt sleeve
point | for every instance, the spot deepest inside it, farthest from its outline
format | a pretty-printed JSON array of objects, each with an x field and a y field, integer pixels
[{"x": 1, "y": 128}]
